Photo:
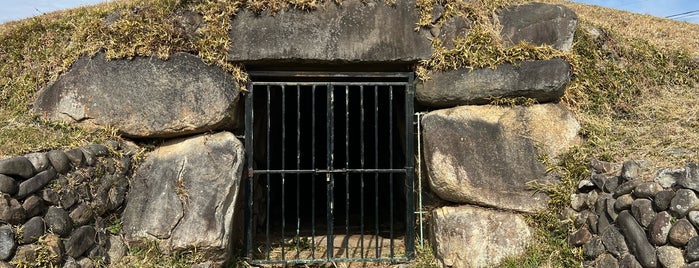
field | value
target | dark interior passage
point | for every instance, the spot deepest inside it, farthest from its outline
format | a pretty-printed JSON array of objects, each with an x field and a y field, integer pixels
[{"x": 329, "y": 152}]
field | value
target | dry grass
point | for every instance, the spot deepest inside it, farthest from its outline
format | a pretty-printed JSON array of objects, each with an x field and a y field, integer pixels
[
  {"x": 660, "y": 32},
  {"x": 663, "y": 127},
  {"x": 481, "y": 47},
  {"x": 634, "y": 99},
  {"x": 24, "y": 133}
]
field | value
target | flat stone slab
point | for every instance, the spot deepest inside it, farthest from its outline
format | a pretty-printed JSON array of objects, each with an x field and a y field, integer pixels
[
  {"x": 487, "y": 155},
  {"x": 539, "y": 24},
  {"x": 544, "y": 81},
  {"x": 468, "y": 236},
  {"x": 366, "y": 31},
  {"x": 143, "y": 97}
]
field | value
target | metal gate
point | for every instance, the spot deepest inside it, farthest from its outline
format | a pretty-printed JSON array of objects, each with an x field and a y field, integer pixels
[{"x": 330, "y": 167}]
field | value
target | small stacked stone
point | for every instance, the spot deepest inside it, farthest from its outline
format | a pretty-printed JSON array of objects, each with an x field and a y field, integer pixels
[
  {"x": 622, "y": 220},
  {"x": 54, "y": 205}
]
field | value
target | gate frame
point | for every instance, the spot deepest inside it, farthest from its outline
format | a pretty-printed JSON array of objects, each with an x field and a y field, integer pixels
[{"x": 409, "y": 169}]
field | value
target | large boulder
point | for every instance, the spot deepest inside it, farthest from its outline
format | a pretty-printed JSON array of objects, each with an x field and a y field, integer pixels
[
  {"x": 539, "y": 24},
  {"x": 487, "y": 155},
  {"x": 367, "y": 31},
  {"x": 143, "y": 97},
  {"x": 468, "y": 236},
  {"x": 183, "y": 195},
  {"x": 544, "y": 81}
]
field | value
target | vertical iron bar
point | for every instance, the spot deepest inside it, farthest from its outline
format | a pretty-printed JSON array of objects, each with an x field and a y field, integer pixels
[
  {"x": 376, "y": 165},
  {"x": 361, "y": 197},
  {"x": 283, "y": 156},
  {"x": 267, "y": 150},
  {"x": 313, "y": 166},
  {"x": 298, "y": 166},
  {"x": 419, "y": 176},
  {"x": 390, "y": 157},
  {"x": 249, "y": 134},
  {"x": 347, "y": 184},
  {"x": 409, "y": 168},
  {"x": 329, "y": 178}
]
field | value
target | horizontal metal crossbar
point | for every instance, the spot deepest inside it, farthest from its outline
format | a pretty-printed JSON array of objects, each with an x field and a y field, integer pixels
[
  {"x": 329, "y": 83},
  {"x": 311, "y": 261},
  {"x": 286, "y": 74},
  {"x": 323, "y": 171}
]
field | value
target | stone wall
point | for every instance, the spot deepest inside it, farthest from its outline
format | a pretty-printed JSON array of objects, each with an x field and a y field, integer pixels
[
  {"x": 86, "y": 206},
  {"x": 482, "y": 159},
  {"x": 479, "y": 158},
  {"x": 61, "y": 207},
  {"x": 624, "y": 217}
]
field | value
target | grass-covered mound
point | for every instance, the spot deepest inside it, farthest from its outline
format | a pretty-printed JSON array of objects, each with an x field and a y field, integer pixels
[
  {"x": 36, "y": 51},
  {"x": 634, "y": 92},
  {"x": 633, "y": 87}
]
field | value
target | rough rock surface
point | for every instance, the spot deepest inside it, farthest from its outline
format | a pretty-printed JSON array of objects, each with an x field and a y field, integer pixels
[
  {"x": 20, "y": 166},
  {"x": 614, "y": 242},
  {"x": 116, "y": 249},
  {"x": 58, "y": 221},
  {"x": 647, "y": 189},
  {"x": 35, "y": 183},
  {"x": 684, "y": 201},
  {"x": 693, "y": 249},
  {"x": 544, "y": 81},
  {"x": 490, "y": 236},
  {"x": 39, "y": 161},
  {"x": 11, "y": 211},
  {"x": 184, "y": 195},
  {"x": 487, "y": 155},
  {"x": 32, "y": 230},
  {"x": 593, "y": 248},
  {"x": 663, "y": 199},
  {"x": 660, "y": 228},
  {"x": 34, "y": 206},
  {"x": 629, "y": 261},
  {"x": 681, "y": 232},
  {"x": 689, "y": 178},
  {"x": 59, "y": 161},
  {"x": 8, "y": 185},
  {"x": 606, "y": 261},
  {"x": 7, "y": 242},
  {"x": 670, "y": 257},
  {"x": 539, "y": 24},
  {"x": 642, "y": 210},
  {"x": 143, "y": 97},
  {"x": 80, "y": 241},
  {"x": 354, "y": 31}
]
